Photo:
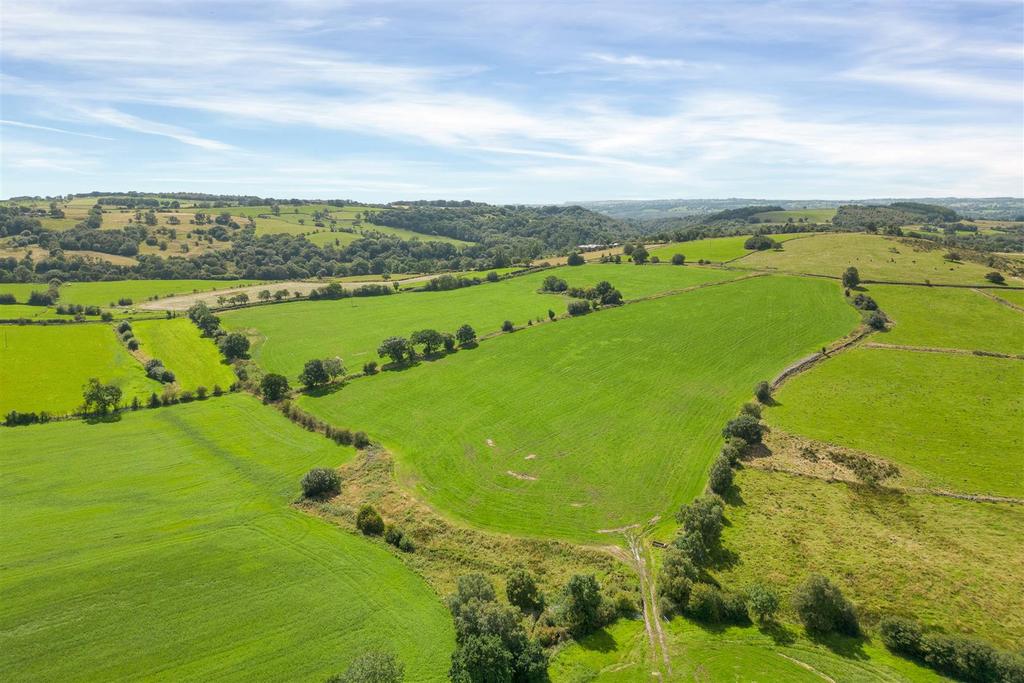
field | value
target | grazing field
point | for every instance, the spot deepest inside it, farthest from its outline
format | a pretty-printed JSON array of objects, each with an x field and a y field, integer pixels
[
  {"x": 45, "y": 367},
  {"x": 1014, "y": 296},
  {"x": 715, "y": 249},
  {"x": 617, "y": 653},
  {"x": 887, "y": 259},
  {"x": 949, "y": 318},
  {"x": 943, "y": 560},
  {"x": 163, "y": 547},
  {"x": 955, "y": 419},
  {"x": 809, "y": 215},
  {"x": 287, "y": 335},
  {"x": 108, "y": 292},
  {"x": 589, "y": 423},
  {"x": 195, "y": 361}
]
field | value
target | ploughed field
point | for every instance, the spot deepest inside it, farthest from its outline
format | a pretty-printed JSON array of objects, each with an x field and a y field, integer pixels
[
  {"x": 162, "y": 547},
  {"x": 589, "y": 423}
]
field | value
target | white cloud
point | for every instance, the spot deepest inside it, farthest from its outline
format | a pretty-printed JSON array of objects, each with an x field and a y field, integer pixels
[{"x": 32, "y": 126}]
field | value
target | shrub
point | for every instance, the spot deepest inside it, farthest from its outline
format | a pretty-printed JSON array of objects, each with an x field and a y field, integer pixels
[
  {"x": 706, "y": 603},
  {"x": 763, "y": 392},
  {"x": 521, "y": 591},
  {"x": 902, "y": 635},
  {"x": 759, "y": 243},
  {"x": 702, "y": 522},
  {"x": 449, "y": 342},
  {"x": 370, "y": 368},
  {"x": 575, "y": 259},
  {"x": 553, "y": 283},
  {"x": 123, "y": 326},
  {"x": 320, "y": 482},
  {"x": 581, "y": 601},
  {"x": 764, "y": 602},
  {"x": 392, "y": 535},
  {"x": 851, "y": 278},
  {"x": 745, "y": 427},
  {"x": 273, "y": 386},
  {"x": 720, "y": 479},
  {"x": 372, "y": 667},
  {"x": 733, "y": 449},
  {"x": 640, "y": 255},
  {"x": 369, "y": 521},
  {"x": 465, "y": 335},
  {"x": 406, "y": 545},
  {"x": 822, "y": 607},
  {"x": 579, "y": 307},
  {"x": 875, "y": 320},
  {"x": 995, "y": 277},
  {"x": 360, "y": 440},
  {"x": 752, "y": 409},
  {"x": 201, "y": 392},
  {"x": 551, "y": 314},
  {"x": 507, "y": 326},
  {"x": 6, "y": 299},
  {"x": 676, "y": 580},
  {"x": 865, "y": 302},
  {"x": 234, "y": 345},
  {"x": 492, "y": 276},
  {"x": 133, "y": 344},
  {"x": 678, "y": 259}
]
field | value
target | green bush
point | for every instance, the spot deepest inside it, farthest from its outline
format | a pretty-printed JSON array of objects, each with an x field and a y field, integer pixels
[
  {"x": 320, "y": 482},
  {"x": 372, "y": 667},
  {"x": 733, "y": 449},
  {"x": 822, "y": 607},
  {"x": 579, "y": 307},
  {"x": 360, "y": 440},
  {"x": 720, "y": 479},
  {"x": 744, "y": 427},
  {"x": 675, "y": 581},
  {"x": 763, "y": 392},
  {"x": 521, "y": 590},
  {"x": 764, "y": 602},
  {"x": 369, "y": 521},
  {"x": 678, "y": 259}
]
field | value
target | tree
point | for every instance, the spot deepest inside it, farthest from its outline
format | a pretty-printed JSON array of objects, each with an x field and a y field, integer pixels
[
  {"x": 551, "y": 314},
  {"x": 678, "y": 259},
  {"x": 578, "y": 307},
  {"x": 875, "y": 320},
  {"x": 764, "y": 602},
  {"x": 851, "y": 278},
  {"x": 763, "y": 392},
  {"x": 234, "y": 345},
  {"x": 822, "y": 607},
  {"x": 995, "y": 277},
  {"x": 759, "y": 243},
  {"x": 264, "y": 295},
  {"x": 702, "y": 522},
  {"x": 745, "y": 427},
  {"x": 508, "y": 326},
  {"x": 553, "y": 283},
  {"x": 395, "y": 348},
  {"x": 481, "y": 659},
  {"x": 575, "y": 259},
  {"x": 369, "y": 521},
  {"x": 430, "y": 339},
  {"x": 274, "y": 387},
  {"x": 334, "y": 368},
  {"x": 372, "y": 667},
  {"x": 720, "y": 478},
  {"x": 100, "y": 398},
  {"x": 466, "y": 335},
  {"x": 640, "y": 255},
  {"x": 202, "y": 318},
  {"x": 676, "y": 579},
  {"x": 582, "y": 598},
  {"x": 320, "y": 482},
  {"x": 314, "y": 374},
  {"x": 521, "y": 591}
]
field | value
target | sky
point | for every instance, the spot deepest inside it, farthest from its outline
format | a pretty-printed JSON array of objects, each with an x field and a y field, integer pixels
[{"x": 513, "y": 102}]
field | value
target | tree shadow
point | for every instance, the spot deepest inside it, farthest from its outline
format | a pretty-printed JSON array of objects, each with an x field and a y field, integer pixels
[
  {"x": 779, "y": 633},
  {"x": 844, "y": 646},
  {"x": 733, "y": 496},
  {"x": 325, "y": 390},
  {"x": 102, "y": 419},
  {"x": 400, "y": 367},
  {"x": 599, "y": 641},
  {"x": 756, "y": 451}
]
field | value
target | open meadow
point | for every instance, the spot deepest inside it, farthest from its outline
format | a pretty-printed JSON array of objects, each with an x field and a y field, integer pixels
[
  {"x": 43, "y": 368},
  {"x": 715, "y": 249},
  {"x": 194, "y": 360},
  {"x": 109, "y": 293},
  {"x": 287, "y": 335},
  {"x": 588, "y": 423},
  {"x": 163, "y": 547}
]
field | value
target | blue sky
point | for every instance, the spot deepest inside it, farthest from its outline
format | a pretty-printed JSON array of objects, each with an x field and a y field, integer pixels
[{"x": 515, "y": 101}]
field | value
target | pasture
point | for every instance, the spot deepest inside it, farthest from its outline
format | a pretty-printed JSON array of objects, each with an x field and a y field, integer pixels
[
  {"x": 45, "y": 367},
  {"x": 106, "y": 293},
  {"x": 714, "y": 249},
  {"x": 953, "y": 418},
  {"x": 887, "y": 259},
  {"x": 949, "y": 317},
  {"x": 163, "y": 547},
  {"x": 1014, "y": 296},
  {"x": 809, "y": 215},
  {"x": 195, "y": 361},
  {"x": 287, "y": 335},
  {"x": 588, "y": 423},
  {"x": 890, "y": 552}
]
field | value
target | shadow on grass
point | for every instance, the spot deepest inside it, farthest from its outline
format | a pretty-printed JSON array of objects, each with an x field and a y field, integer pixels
[
  {"x": 734, "y": 496},
  {"x": 844, "y": 646},
  {"x": 102, "y": 419},
  {"x": 599, "y": 641},
  {"x": 325, "y": 390},
  {"x": 779, "y": 633}
]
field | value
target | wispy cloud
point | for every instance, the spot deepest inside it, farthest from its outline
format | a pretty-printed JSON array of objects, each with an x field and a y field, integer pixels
[{"x": 50, "y": 129}]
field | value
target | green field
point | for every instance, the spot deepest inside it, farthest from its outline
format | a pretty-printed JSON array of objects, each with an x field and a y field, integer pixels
[
  {"x": 105, "y": 293},
  {"x": 621, "y": 409},
  {"x": 948, "y": 317},
  {"x": 943, "y": 560},
  {"x": 619, "y": 653},
  {"x": 44, "y": 367},
  {"x": 956, "y": 419},
  {"x": 177, "y": 342},
  {"x": 1014, "y": 296},
  {"x": 811, "y": 215},
  {"x": 876, "y": 258},
  {"x": 287, "y": 335},
  {"x": 163, "y": 547},
  {"x": 715, "y": 249}
]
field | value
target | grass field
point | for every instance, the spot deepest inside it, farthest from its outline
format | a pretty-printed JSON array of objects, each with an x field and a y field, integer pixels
[
  {"x": 948, "y": 317},
  {"x": 811, "y": 215},
  {"x": 177, "y": 342},
  {"x": 287, "y": 335},
  {"x": 618, "y": 653},
  {"x": 44, "y": 367},
  {"x": 956, "y": 419},
  {"x": 105, "y": 293},
  {"x": 1014, "y": 296},
  {"x": 946, "y": 561},
  {"x": 621, "y": 409},
  {"x": 715, "y": 249},
  {"x": 162, "y": 547},
  {"x": 875, "y": 257}
]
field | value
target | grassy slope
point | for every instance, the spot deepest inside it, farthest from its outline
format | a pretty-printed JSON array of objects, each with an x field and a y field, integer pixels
[
  {"x": 163, "y": 547},
  {"x": 956, "y": 419},
  {"x": 44, "y": 367},
  {"x": 103, "y": 293},
  {"x": 949, "y": 318},
  {"x": 832, "y": 253},
  {"x": 943, "y": 560},
  {"x": 622, "y": 408},
  {"x": 177, "y": 342},
  {"x": 715, "y": 249},
  {"x": 289, "y": 334},
  {"x": 728, "y": 654},
  {"x": 1014, "y": 296}
]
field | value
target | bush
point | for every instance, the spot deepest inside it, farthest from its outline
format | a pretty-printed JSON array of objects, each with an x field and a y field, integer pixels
[
  {"x": 851, "y": 278},
  {"x": 579, "y": 307},
  {"x": 865, "y": 302},
  {"x": 733, "y": 449},
  {"x": 720, "y": 479},
  {"x": 406, "y": 545},
  {"x": 995, "y": 277},
  {"x": 675, "y": 582},
  {"x": 678, "y": 259},
  {"x": 465, "y": 335},
  {"x": 133, "y": 344},
  {"x": 234, "y": 345},
  {"x": 752, "y": 409},
  {"x": 822, "y": 607},
  {"x": 360, "y": 440},
  {"x": 507, "y": 326},
  {"x": 372, "y": 667},
  {"x": 369, "y": 521},
  {"x": 393, "y": 535},
  {"x": 760, "y": 243},
  {"x": 763, "y": 392},
  {"x": 902, "y": 635},
  {"x": 581, "y": 600},
  {"x": 702, "y": 522},
  {"x": 553, "y": 283},
  {"x": 764, "y": 602},
  {"x": 320, "y": 482},
  {"x": 745, "y": 427},
  {"x": 274, "y": 387},
  {"x": 875, "y": 320},
  {"x": 575, "y": 260},
  {"x": 706, "y": 603},
  {"x": 370, "y": 368},
  {"x": 521, "y": 591}
]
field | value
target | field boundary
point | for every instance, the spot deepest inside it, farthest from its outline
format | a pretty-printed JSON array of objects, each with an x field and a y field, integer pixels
[
  {"x": 937, "y": 349},
  {"x": 1000, "y": 300},
  {"x": 808, "y": 362}
]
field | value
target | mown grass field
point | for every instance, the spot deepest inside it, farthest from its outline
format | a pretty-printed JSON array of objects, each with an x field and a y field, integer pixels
[
  {"x": 163, "y": 547},
  {"x": 105, "y": 293},
  {"x": 955, "y": 419},
  {"x": 946, "y": 561},
  {"x": 589, "y": 423},
  {"x": 45, "y": 367},
  {"x": 177, "y": 342},
  {"x": 287, "y": 335},
  {"x": 618, "y": 653},
  {"x": 947, "y": 317},
  {"x": 875, "y": 257},
  {"x": 715, "y": 249}
]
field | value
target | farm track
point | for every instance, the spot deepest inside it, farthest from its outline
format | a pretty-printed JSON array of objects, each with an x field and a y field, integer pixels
[
  {"x": 640, "y": 560},
  {"x": 999, "y": 300},
  {"x": 936, "y": 349}
]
